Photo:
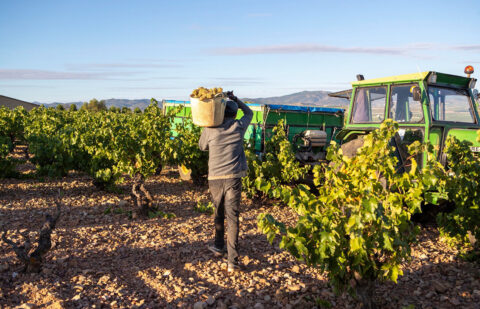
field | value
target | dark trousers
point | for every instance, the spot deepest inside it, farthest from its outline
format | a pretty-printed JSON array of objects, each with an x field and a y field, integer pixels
[{"x": 226, "y": 196}]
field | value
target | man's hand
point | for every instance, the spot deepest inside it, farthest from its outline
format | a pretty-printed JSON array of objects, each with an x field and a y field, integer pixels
[{"x": 231, "y": 96}]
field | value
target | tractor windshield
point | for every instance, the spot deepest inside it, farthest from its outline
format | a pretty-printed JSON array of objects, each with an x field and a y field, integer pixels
[
  {"x": 369, "y": 105},
  {"x": 448, "y": 104},
  {"x": 402, "y": 106}
]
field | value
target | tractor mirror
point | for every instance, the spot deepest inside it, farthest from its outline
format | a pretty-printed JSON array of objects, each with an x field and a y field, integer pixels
[{"x": 417, "y": 93}]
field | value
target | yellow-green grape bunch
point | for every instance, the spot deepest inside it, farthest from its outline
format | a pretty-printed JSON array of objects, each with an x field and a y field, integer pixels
[{"x": 204, "y": 93}]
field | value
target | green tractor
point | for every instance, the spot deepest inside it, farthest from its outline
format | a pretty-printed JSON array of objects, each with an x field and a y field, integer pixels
[{"x": 428, "y": 106}]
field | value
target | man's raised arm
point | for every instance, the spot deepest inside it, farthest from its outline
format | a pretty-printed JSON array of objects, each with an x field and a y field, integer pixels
[{"x": 247, "y": 112}]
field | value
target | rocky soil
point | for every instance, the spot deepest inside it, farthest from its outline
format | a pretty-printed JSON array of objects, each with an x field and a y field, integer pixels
[{"x": 103, "y": 259}]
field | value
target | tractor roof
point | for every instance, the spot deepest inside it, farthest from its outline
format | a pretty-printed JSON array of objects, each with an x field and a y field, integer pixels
[{"x": 441, "y": 79}]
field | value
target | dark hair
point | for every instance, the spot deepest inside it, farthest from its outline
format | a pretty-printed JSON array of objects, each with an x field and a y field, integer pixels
[{"x": 231, "y": 109}]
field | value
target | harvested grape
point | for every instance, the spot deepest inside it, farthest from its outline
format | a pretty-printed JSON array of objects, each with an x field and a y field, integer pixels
[{"x": 202, "y": 93}]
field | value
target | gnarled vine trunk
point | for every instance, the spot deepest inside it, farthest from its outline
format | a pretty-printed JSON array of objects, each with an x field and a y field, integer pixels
[
  {"x": 365, "y": 290},
  {"x": 159, "y": 169},
  {"x": 26, "y": 153},
  {"x": 33, "y": 262},
  {"x": 143, "y": 198}
]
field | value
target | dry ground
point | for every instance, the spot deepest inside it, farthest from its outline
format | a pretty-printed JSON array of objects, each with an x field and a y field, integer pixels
[{"x": 110, "y": 261}]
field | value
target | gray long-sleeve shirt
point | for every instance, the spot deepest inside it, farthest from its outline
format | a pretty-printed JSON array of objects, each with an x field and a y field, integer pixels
[{"x": 226, "y": 158}]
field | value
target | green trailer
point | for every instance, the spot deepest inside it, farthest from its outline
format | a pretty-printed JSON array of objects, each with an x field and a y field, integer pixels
[{"x": 309, "y": 128}]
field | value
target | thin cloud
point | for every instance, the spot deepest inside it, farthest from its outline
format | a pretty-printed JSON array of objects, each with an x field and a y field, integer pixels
[
  {"x": 152, "y": 60},
  {"x": 242, "y": 83},
  {"x": 466, "y": 47},
  {"x": 26, "y": 74},
  {"x": 406, "y": 50},
  {"x": 146, "y": 88},
  {"x": 236, "y": 78},
  {"x": 120, "y": 65},
  {"x": 469, "y": 62},
  {"x": 317, "y": 87},
  {"x": 169, "y": 78},
  {"x": 307, "y": 48},
  {"x": 24, "y": 86},
  {"x": 239, "y": 81},
  {"x": 422, "y": 45}
]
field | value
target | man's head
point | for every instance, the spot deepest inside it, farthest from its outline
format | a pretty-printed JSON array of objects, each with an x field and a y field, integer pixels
[{"x": 231, "y": 109}]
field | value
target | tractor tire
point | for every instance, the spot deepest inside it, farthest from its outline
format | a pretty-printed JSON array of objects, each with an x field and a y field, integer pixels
[{"x": 349, "y": 149}]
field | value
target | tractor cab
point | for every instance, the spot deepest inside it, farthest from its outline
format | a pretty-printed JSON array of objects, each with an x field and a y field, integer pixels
[{"x": 428, "y": 106}]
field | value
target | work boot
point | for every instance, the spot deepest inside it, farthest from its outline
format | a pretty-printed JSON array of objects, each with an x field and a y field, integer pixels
[
  {"x": 234, "y": 267},
  {"x": 216, "y": 251}
]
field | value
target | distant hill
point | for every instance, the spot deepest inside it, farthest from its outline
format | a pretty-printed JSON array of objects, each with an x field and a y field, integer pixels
[
  {"x": 315, "y": 98},
  {"x": 309, "y": 98}
]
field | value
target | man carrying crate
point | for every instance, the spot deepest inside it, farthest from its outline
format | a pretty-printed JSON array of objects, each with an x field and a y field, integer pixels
[{"x": 227, "y": 165}]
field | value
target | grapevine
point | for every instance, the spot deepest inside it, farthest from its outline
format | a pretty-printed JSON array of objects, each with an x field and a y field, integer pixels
[
  {"x": 463, "y": 187},
  {"x": 357, "y": 228},
  {"x": 277, "y": 166},
  {"x": 187, "y": 153},
  {"x": 103, "y": 144}
]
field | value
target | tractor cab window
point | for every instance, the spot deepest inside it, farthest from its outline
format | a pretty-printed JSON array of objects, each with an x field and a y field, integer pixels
[
  {"x": 369, "y": 105},
  {"x": 403, "y": 108},
  {"x": 448, "y": 104}
]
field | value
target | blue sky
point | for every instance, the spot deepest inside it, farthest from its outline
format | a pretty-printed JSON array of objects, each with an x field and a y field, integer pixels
[{"x": 77, "y": 50}]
